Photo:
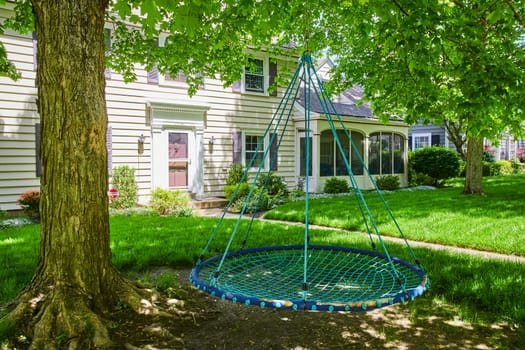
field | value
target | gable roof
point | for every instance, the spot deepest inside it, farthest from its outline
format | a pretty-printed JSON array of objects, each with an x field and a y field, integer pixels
[{"x": 347, "y": 105}]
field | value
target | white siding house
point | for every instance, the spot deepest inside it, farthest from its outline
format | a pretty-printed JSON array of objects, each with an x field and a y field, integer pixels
[{"x": 177, "y": 142}]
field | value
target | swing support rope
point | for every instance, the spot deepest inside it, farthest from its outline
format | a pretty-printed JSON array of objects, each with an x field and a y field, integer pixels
[{"x": 405, "y": 285}]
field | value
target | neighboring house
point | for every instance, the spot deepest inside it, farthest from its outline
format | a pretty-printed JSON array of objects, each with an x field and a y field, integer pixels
[
  {"x": 508, "y": 148},
  {"x": 177, "y": 142},
  {"x": 424, "y": 135}
]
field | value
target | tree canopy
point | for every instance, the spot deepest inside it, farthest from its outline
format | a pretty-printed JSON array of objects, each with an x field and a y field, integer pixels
[
  {"x": 438, "y": 60},
  {"x": 432, "y": 60}
]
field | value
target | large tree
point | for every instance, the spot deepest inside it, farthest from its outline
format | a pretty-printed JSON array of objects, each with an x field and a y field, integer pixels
[
  {"x": 460, "y": 62},
  {"x": 75, "y": 285}
]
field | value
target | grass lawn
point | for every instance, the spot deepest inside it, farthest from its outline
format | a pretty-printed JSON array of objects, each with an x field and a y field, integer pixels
[
  {"x": 493, "y": 222},
  {"x": 483, "y": 291}
]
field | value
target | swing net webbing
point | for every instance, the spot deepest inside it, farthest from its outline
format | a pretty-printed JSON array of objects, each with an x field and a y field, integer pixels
[{"x": 306, "y": 276}]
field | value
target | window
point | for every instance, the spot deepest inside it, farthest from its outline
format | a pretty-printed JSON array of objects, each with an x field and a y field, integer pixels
[
  {"x": 254, "y": 76},
  {"x": 258, "y": 76},
  {"x": 420, "y": 141},
  {"x": 252, "y": 150},
  {"x": 331, "y": 161},
  {"x": 386, "y": 153},
  {"x": 246, "y": 146},
  {"x": 302, "y": 163}
]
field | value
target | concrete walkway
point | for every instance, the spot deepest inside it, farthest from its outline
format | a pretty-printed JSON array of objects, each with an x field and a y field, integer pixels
[{"x": 217, "y": 212}]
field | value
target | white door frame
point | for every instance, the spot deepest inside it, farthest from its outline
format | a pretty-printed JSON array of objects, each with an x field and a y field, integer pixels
[{"x": 166, "y": 118}]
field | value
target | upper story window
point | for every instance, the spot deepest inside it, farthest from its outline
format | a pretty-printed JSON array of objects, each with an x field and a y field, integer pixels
[
  {"x": 259, "y": 75},
  {"x": 254, "y": 76}
]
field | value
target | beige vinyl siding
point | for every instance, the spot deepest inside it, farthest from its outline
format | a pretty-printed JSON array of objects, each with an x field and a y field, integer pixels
[
  {"x": 128, "y": 118},
  {"x": 17, "y": 119}
]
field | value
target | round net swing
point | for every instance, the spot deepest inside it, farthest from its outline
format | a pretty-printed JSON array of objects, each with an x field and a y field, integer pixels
[{"x": 307, "y": 276}]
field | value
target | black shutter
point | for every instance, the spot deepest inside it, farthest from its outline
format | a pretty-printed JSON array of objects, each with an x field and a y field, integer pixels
[
  {"x": 37, "y": 150},
  {"x": 109, "y": 147},
  {"x": 273, "y": 152},
  {"x": 272, "y": 74},
  {"x": 435, "y": 140},
  {"x": 410, "y": 143},
  {"x": 237, "y": 147}
]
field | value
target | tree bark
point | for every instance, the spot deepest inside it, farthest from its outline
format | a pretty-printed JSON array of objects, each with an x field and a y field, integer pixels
[
  {"x": 74, "y": 283},
  {"x": 474, "y": 167}
]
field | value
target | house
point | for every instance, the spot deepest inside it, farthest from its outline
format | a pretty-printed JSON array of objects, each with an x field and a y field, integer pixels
[
  {"x": 177, "y": 142},
  {"x": 423, "y": 135}
]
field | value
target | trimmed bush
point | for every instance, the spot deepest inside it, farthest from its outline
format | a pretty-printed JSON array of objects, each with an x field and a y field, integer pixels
[
  {"x": 30, "y": 203},
  {"x": 235, "y": 175},
  {"x": 275, "y": 184},
  {"x": 439, "y": 163},
  {"x": 336, "y": 185},
  {"x": 505, "y": 167},
  {"x": 387, "y": 182},
  {"x": 124, "y": 181},
  {"x": 175, "y": 203},
  {"x": 241, "y": 193}
]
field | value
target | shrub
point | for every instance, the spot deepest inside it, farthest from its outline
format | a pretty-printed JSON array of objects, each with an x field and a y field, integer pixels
[
  {"x": 235, "y": 175},
  {"x": 491, "y": 169},
  {"x": 30, "y": 203},
  {"x": 229, "y": 190},
  {"x": 124, "y": 181},
  {"x": 439, "y": 163},
  {"x": 335, "y": 185},
  {"x": 274, "y": 185},
  {"x": 505, "y": 167},
  {"x": 166, "y": 202},
  {"x": 419, "y": 179},
  {"x": 387, "y": 182},
  {"x": 488, "y": 157}
]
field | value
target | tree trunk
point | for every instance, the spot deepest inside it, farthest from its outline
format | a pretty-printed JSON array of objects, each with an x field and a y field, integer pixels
[
  {"x": 75, "y": 282},
  {"x": 474, "y": 170}
]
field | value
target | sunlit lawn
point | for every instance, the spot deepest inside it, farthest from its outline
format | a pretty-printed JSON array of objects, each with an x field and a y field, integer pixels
[
  {"x": 494, "y": 221},
  {"x": 483, "y": 290}
]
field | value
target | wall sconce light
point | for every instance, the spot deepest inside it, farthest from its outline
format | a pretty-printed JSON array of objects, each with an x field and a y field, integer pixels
[
  {"x": 140, "y": 143},
  {"x": 211, "y": 142}
]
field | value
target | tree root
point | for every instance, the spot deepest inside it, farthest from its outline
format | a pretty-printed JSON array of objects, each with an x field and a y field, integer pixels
[{"x": 66, "y": 318}]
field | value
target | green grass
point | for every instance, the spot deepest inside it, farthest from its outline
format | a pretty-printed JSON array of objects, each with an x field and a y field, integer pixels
[
  {"x": 482, "y": 290},
  {"x": 493, "y": 222}
]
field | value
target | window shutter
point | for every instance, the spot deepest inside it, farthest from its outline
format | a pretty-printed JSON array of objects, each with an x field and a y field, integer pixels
[
  {"x": 273, "y": 152},
  {"x": 109, "y": 147},
  {"x": 37, "y": 150},
  {"x": 153, "y": 76},
  {"x": 237, "y": 147},
  {"x": 236, "y": 86},
  {"x": 272, "y": 74},
  {"x": 410, "y": 143},
  {"x": 435, "y": 140},
  {"x": 34, "y": 49},
  {"x": 107, "y": 34}
]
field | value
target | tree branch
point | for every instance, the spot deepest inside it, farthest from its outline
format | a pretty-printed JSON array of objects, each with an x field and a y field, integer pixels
[
  {"x": 401, "y": 8},
  {"x": 517, "y": 16}
]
